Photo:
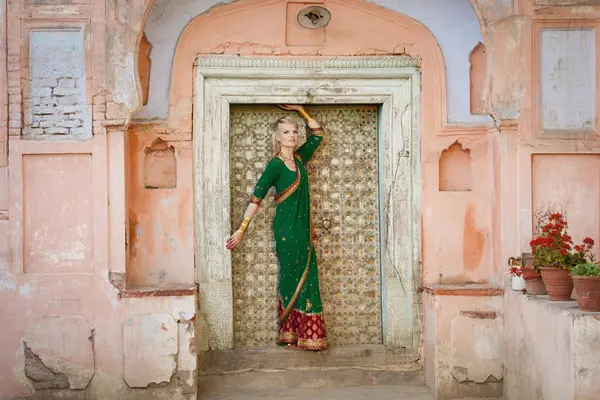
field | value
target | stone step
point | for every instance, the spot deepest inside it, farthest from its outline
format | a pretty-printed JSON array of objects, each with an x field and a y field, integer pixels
[
  {"x": 372, "y": 357},
  {"x": 303, "y": 379},
  {"x": 348, "y": 393},
  {"x": 340, "y": 366}
]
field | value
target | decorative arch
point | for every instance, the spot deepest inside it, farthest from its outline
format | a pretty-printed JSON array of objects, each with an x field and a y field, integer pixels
[
  {"x": 225, "y": 31},
  {"x": 385, "y": 7}
]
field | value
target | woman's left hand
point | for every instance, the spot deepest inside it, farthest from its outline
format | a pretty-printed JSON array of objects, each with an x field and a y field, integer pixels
[{"x": 291, "y": 107}]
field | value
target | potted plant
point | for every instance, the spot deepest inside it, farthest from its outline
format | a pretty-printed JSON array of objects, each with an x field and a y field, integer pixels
[
  {"x": 555, "y": 256},
  {"x": 586, "y": 278},
  {"x": 534, "y": 284}
]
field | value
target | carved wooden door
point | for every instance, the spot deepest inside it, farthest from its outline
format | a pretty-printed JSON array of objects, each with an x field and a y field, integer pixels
[{"x": 344, "y": 190}]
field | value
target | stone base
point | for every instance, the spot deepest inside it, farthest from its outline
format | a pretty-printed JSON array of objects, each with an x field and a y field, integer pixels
[
  {"x": 552, "y": 349},
  {"x": 463, "y": 341},
  {"x": 342, "y": 366},
  {"x": 298, "y": 379}
]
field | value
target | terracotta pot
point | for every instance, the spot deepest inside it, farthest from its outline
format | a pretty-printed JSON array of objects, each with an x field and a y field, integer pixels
[
  {"x": 527, "y": 260},
  {"x": 558, "y": 283},
  {"x": 533, "y": 282},
  {"x": 587, "y": 289},
  {"x": 529, "y": 273},
  {"x": 535, "y": 285}
]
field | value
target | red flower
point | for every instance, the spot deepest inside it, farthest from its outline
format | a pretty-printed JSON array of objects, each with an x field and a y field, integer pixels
[{"x": 554, "y": 246}]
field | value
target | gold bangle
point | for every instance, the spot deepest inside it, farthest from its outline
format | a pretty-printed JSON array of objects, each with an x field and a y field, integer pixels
[
  {"x": 304, "y": 114},
  {"x": 244, "y": 224}
]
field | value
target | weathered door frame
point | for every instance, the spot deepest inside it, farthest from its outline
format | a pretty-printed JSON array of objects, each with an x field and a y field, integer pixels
[{"x": 391, "y": 82}]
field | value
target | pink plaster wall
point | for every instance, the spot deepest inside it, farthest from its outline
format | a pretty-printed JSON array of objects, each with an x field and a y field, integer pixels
[
  {"x": 161, "y": 230},
  {"x": 60, "y": 195}
]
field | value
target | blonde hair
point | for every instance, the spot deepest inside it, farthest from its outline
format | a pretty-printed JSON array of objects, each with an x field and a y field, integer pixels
[{"x": 275, "y": 146}]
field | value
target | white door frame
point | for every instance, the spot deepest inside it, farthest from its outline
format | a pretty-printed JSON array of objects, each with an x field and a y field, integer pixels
[{"x": 391, "y": 82}]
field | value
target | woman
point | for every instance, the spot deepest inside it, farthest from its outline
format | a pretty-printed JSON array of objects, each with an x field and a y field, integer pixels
[{"x": 301, "y": 322}]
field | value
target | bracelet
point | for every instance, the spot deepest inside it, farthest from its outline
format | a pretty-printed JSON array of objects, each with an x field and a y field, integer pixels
[
  {"x": 304, "y": 114},
  {"x": 244, "y": 224}
]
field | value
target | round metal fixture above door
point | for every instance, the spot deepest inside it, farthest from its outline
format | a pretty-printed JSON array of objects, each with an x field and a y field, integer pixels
[{"x": 314, "y": 17}]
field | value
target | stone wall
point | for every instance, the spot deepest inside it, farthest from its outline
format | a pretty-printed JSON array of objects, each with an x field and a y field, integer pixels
[
  {"x": 57, "y": 81},
  {"x": 552, "y": 349}
]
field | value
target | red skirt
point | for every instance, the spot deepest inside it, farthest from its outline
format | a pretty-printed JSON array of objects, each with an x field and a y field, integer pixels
[{"x": 305, "y": 331}]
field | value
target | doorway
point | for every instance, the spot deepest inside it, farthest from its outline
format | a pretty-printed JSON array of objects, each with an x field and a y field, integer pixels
[
  {"x": 391, "y": 85},
  {"x": 345, "y": 208}
]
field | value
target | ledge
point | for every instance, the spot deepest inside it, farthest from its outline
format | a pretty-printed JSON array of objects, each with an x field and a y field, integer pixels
[
  {"x": 169, "y": 291},
  {"x": 568, "y": 307},
  {"x": 479, "y": 290}
]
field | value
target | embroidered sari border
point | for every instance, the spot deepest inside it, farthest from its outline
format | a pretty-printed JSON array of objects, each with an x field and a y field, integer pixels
[
  {"x": 312, "y": 344},
  {"x": 287, "y": 192},
  {"x": 255, "y": 200},
  {"x": 292, "y": 302}
]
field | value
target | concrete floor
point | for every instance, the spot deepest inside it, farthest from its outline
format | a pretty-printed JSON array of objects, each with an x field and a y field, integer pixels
[{"x": 347, "y": 393}]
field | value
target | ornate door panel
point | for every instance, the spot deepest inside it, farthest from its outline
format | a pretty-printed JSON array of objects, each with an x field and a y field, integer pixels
[{"x": 345, "y": 211}]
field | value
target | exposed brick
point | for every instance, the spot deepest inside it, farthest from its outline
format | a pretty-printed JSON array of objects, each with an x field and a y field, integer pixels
[
  {"x": 14, "y": 90},
  {"x": 44, "y": 82},
  {"x": 70, "y": 123},
  {"x": 41, "y": 92},
  {"x": 56, "y": 131},
  {"x": 100, "y": 108},
  {"x": 68, "y": 100},
  {"x": 15, "y": 98},
  {"x": 14, "y": 108},
  {"x": 99, "y": 99},
  {"x": 14, "y": 116},
  {"x": 33, "y": 131},
  {"x": 67, "y": 82},
  {"x": 98, "y": 116},
  {"x": 76, "y": 116},
  {"x": 46, "y": 124},
  {"x": 80, "y": 131},
  {"x": 49, "y": 117},
  {"x": 40, "y": 110},
  {"x": 13, "y": 123},
  {"x": 14, "y": 132},
  {"x": 49, "y": 101},
  {"x": 62, "y": 91},
  {"x": 13, "y": 67},
  {"x": 68, "y": 109}
]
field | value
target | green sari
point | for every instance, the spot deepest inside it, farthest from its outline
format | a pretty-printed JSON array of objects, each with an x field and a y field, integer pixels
[{"x": 300, "y": 315}]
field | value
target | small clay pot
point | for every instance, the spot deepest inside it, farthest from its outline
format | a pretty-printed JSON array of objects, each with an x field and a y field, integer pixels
[
  {"x": 535, "y": 285},
  {"x": 558, "y": 283},
  {"x": 587, "y": 289}
]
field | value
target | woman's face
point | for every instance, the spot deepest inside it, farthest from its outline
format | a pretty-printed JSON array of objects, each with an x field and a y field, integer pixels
[{"x": 287, "y": 135}]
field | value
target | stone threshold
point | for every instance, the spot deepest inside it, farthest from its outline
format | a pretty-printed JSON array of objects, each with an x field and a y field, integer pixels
[
  {"x": 180, "y": 290},
  {"x": 273, "y": 359}
]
